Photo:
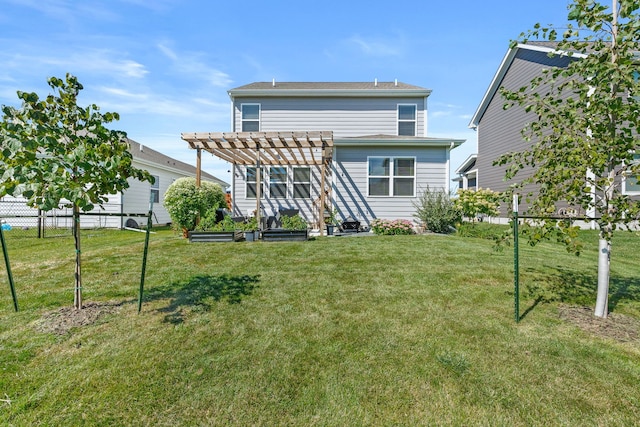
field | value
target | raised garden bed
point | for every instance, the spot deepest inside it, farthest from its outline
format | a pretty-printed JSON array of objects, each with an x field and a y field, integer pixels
[
  {"x": 215, "y": 236},
  {"x": 275, "y": 234}
]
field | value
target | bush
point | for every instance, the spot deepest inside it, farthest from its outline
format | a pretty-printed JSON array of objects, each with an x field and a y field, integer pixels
[
  {"x": 185, "y": 201},
  {"x": 480, "y": 202},
  {"x": 295, "y": 222},
  {"x": 436, "y": 211},
  {"x": 388, "y": 227}
]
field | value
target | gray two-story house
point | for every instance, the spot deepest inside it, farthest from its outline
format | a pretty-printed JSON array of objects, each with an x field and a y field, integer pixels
[
  {"x": 360, "y": 149},
  {"x": 500, "y": 131}
]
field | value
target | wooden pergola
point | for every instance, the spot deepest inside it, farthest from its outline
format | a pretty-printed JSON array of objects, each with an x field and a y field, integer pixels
[{"x": 314, "y": 148}]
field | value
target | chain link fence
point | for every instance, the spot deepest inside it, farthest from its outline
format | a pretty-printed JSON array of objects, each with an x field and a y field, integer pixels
[{"x": 20, "y": 220}]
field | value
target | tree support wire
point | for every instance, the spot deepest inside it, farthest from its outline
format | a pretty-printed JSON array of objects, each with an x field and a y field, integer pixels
[
  {"x": 144, "y": 258},
  {"x": 6, "y": 261}
]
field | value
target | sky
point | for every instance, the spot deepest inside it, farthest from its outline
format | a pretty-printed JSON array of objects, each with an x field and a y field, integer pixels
[{"x": 166, "y": 65}]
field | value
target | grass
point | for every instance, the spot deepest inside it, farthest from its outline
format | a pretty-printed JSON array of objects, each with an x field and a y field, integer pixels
[{"x": 387, "y": 330}]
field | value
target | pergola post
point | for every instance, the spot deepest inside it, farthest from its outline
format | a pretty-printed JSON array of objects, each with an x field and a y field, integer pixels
[
  {"x": 198, "y": 166},
  {"x": 323, "y": 171},
  {"x": 258, "y": 182}
]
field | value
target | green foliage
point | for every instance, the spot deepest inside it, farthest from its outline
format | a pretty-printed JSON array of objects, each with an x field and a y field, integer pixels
[
  {"x": 481, "y": 230},
  {"x": 562, "y": 231},
  {"x": 250, "y": 224},
  {"x": 295, "y": 222},
  {"x": 584, "y": 126},
  {"x": 480, "y": 202},
  {"x": 436, "y": 211},
  {"x": 227, "y": 224},
  {"x": 331, "y": 216},
  {"x": 185, "y": 201},
  {"x": 392, "y": 227},
  {"x": 55, "y": 152}
]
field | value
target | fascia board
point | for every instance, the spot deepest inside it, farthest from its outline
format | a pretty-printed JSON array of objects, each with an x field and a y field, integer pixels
[
  {"x": 466, "y": 163},
  {"x": 452, "y": 143},
  {"x": 315, "y": 93}
]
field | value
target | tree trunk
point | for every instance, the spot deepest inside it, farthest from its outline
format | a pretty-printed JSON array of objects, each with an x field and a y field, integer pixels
[
  {"x": 77, "y": 295},
  {"x": 602, "y": 300}
]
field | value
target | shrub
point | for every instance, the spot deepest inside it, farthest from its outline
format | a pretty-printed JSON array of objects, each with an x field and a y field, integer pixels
[
  {"x": 185, "y": 201},
  {"x": 436, "y": 211},
  {"x": 295, "y": 222},
  {"x": 388, "y": 227},
  {"x": 474, "y": 203}
]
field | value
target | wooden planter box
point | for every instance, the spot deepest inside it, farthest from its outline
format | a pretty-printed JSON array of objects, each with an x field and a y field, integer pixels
[
  {"x": 215, "y": 236},
  {"x": 275, "y": 235}
]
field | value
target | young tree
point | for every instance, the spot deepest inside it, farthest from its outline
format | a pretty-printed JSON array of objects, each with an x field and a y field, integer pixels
[
  {"x": 585, "y": 138},
  {"x": 56, "y": 153}
]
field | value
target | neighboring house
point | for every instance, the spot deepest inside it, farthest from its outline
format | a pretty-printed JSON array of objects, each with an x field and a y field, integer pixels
[
  {"x": 364, "y": 143},
  {"x": 134, "y": 200},
  {"x": 499, "y": 130},
  {"x": 467, "y": 174}
]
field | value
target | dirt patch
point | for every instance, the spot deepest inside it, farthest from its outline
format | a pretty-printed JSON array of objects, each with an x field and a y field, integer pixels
[
  {"x": 617, "y": 326},
  {"x": 61, "y": 321}
]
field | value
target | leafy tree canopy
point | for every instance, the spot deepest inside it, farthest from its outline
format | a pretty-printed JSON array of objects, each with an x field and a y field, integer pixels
[
  {"x": 55, "y": 152},
  {"x": 586, "y": 116},
  {"x": 585, "y": 124}
]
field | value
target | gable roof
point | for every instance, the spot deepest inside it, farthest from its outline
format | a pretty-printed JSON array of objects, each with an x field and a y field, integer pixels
[
  {"x": 546, "y": 47},
  {"x": 354, "y": 89},
  {"x": 467, "y": 165},
  {"x": 149, "y": 156}
]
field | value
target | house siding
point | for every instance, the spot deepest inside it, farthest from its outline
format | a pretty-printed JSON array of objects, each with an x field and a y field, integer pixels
[
  {"x": 349, "y": 189},
  {"x": 346, "y": 117},
  {"x": 499, "y": 130}
]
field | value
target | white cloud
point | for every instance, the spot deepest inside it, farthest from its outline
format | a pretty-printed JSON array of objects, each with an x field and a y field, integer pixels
[
  {"x": 377, "y": 47},
  {"x": 168, "y": 52},
  {"x": 194, "y": 65},
  {"x": 436, "y": 114}
]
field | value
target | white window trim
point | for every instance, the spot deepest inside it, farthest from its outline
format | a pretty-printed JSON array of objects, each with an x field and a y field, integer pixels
[
  {"x": 624, "y": 183},
  {"x": 415, "y": 120},
  {"x": 392, "y": 176},
  {"x": 242, "y": 119}
]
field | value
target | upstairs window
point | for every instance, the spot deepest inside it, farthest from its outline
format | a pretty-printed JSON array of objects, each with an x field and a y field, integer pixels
[
  {"x": 250, "y": 117},
  {"x": 407, "y": 119},
  {"x": 392, "y": 176}
]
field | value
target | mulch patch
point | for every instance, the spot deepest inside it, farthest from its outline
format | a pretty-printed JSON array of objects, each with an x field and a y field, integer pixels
[
  {"x": 61, "y": 321},
  {"x": 616, "y": 326}
]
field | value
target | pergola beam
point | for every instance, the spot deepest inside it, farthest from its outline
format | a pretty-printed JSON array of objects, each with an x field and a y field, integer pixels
[{"x": 279, "y": 148}]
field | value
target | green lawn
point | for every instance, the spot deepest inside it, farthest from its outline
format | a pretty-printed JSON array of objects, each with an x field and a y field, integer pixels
[{"x": 393, "y": 330}]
